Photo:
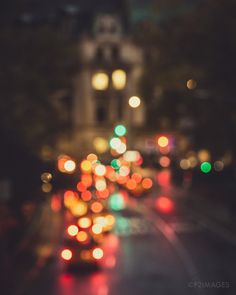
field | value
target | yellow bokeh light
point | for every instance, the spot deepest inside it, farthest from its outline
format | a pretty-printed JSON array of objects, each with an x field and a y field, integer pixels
[
  {"x": 119, "y": 79},
  {"x": 163, "y": 141},
  {"x": 86, "y": 166},
  {"x": 70, "y": 199},
  {"x": 204, "y": 155},
  {"x": 80, "y": 208},
  {"x": 84, "y": 222},
  {"x": 134, "y": 102},
  {"x": 100, "y": 81},
  {"x": 101, "y": 145},
  {"x": 193, "y": 161},
  {"x": 110, "y": 220}
]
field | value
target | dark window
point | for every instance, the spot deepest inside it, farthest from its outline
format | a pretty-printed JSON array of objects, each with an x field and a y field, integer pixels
[
  {"x": 119, "y": 99},
  {"x": 115, "y": 53},
  {"x": 101, "y": 114},
  {"x": 100, "y": 54},
  {"x": 101, "y": 110}
]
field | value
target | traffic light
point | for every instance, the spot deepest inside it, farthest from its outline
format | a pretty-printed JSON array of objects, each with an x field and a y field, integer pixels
[{"x": 206, "y": 167}]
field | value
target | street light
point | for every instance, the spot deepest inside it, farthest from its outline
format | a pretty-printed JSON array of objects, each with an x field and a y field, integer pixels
[{"x": 134, "y": 102}]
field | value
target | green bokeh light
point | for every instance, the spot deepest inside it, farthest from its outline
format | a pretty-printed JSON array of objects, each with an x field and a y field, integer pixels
[
  {"x": 120, "y": 130},
  {"x": 117, "y": 202},
  {"x": 206, "y": 167},
  {"x": 115, "y": 163}
]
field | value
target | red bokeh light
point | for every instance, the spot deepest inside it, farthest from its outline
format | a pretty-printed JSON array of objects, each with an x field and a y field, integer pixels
[
  {"x": 164, "y": 204},
  {"x": 81, "y": 187},
  {"x": 86, "y": 196}
]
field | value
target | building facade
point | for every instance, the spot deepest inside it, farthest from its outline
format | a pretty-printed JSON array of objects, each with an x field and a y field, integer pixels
[{"x": 110, "y": 71}]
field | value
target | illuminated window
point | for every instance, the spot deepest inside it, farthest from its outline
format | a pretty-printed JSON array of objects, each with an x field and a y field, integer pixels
[
  {"x": 119, "y": 79},
  {"x": 100, "y": 81}
]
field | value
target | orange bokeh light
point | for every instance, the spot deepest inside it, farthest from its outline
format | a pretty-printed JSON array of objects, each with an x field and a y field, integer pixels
[
  {"x": 92, "y": 157},
  {"x": 147, "y": 183},
  {"x": 131, "y": 184},
  {"x": 97, "y": 207},
  {"x": 103, "y": 194},
  {"x": 137, "y": 177},
  {"x": 82, "y": 236},
  {"x": 87, "y": 180}
]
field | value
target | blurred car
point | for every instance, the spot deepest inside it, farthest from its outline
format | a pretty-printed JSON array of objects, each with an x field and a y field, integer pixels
[{"x": 81, "y": 252}]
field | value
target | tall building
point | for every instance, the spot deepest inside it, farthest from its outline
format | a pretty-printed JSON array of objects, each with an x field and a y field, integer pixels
[{"x": 110, "y": 71}]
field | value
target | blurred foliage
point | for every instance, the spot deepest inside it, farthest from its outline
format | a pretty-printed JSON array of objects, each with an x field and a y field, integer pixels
[
  {"x": 36, "y": 66},
  {"x": 194, "y": 42}
]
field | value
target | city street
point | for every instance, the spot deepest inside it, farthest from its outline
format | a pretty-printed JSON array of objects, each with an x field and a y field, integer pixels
[
  {"x": 118, "y": 147},
  {"x": 147, "y": 253}
]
